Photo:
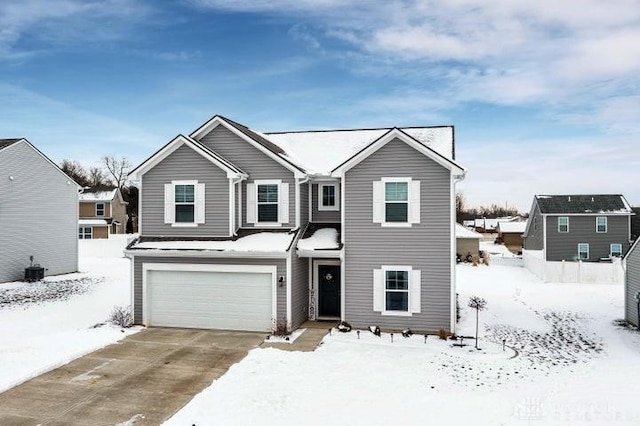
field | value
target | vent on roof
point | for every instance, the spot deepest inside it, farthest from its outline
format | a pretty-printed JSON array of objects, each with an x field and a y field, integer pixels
[
  {"x": 569, "y": 198},
  {"x": 592, "y": 199}
]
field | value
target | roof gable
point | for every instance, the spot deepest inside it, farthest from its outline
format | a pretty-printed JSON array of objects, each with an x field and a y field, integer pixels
[
  {"x": 8, "y": 142},
  {"x": 177, "y": 142},
  {"x": 583, "y": 204}
]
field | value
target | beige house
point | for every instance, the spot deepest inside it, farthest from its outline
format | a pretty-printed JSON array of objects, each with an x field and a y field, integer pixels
[
  {"x": 467, "y": 241},
  {"x": 510, "y": 234},
  {"x": 102, "y": 212}
]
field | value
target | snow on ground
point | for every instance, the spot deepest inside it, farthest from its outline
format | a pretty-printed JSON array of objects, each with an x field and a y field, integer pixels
[
  {"x": 496, "y": 250},
  {"x": 47, "y": 324},
  {"x": 574, "y": 366}
]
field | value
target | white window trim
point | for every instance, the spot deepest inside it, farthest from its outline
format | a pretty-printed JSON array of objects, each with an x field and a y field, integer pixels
[
  {"x": 278, "y": 183},
  {"x": 606, "y": 225},
  {"x": 411, "y": 290},
  {"x": 406, "y": 224},
  {"x": 611, "y": 249},
  {"x": 104, "y": 209},
  {"x": 196, "y": 194},
  {"x": 583, "y": 244},
  {"x": 84, "y": 234},
  {"x": 336, "y": 189},
  {"x": 559, "y": 230}
]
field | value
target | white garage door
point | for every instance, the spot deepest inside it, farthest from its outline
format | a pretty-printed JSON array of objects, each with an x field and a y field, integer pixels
[{"x": 204, "y": 299}]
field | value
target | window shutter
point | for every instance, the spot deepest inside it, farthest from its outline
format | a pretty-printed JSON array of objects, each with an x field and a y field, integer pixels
[
  {"x": 378, "y": 202},
  {"x": 378, "y": 290},
  {"x": 414, "y": 202},
  {"x": 200, "y": 203},
  {"x": 414, "y": 292},
  {"x": 251, "y": 203},
  {"x": 283, "y": 203},
  {"x": 169, "y": 203}
]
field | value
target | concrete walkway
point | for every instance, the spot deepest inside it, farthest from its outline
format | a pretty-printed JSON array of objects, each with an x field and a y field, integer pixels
[
  {"x": 144, "y": 379},
  {"x": 309, "y": 340}
]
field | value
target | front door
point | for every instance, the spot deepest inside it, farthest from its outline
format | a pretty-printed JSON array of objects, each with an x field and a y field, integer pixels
[{"x": 329, "y": 291}]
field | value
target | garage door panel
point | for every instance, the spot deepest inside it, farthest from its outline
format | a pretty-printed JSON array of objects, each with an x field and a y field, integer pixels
[{"x": 225, "y": 300}]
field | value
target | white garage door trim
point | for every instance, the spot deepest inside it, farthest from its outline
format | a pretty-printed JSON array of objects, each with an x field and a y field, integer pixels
[{"x": 199, "y": 267}]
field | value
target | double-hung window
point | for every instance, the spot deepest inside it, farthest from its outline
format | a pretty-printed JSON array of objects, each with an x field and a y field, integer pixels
[
  {"x": 616, "y": 250},
  {"x": 328, "y": 196},
  {"x": 84, "y": 233},
  {"x": 268, "y": 203},
  {"x": 185, "y": 203},
  {"x": 396, "y": 201},
  {"x": 583, "y": 251},
  {"x": 601, "y": 224},
  {"x": 563, "y": 224},
  {"x": 99, "y": 209},
  {"x": 396, "y": 290}
]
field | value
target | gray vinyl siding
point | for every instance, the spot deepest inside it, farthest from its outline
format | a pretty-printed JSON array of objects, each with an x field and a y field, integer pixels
[
  {"x": 534, "y": 239},
  {"x": 299, "y": 290},
  {"x": 38, "y": 215},
  {"x": 582, "y": 229},
  {"x": 368, "y": 245},
  {"x": 258, "y": 165},
  {"x": 632, "y": 285},
  {"x": 185, "y": 164},
  {"x": 330, "y": 216},
  {"x": 304, "y": 204},
  {"x": 139, "y": 260}
]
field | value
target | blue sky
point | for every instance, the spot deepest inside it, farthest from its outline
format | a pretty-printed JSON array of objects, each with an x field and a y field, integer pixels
[{"x": 545, "y": 97}]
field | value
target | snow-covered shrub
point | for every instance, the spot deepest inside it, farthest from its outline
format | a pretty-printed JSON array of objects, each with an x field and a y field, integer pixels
[
  {"x": 344, "y": 327},
  {"x": 121, "y": 316}
]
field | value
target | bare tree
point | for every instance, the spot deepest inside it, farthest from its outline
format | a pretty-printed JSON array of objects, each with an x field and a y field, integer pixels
[
  {"x": 118, "y": 169},
  {"x": 75, "y": 171},
  {"x": 97, "y": 177},
  {"x": 479, "y": 304},
  {"x": 461, "y": 204}
]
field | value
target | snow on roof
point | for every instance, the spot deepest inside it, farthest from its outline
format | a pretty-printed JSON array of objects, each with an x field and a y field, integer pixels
[
  {"x": 259, "y": 242},
  {"x": 322, "y": 239},
  {"x": 97, "y": 195},
  {"x": 487, "y": 223},
  {"x": 88, "y": 222},
  {"x": 512, "y": 227},
  {"x": 462, "y": 232},
  {"x": 321, "y": 151}
]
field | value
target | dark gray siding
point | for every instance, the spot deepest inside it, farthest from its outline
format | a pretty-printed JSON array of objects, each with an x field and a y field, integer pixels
[
  {"x": 185, "y": 164},
  {"x": 299, "y": 290},
  {"x": 252, "y": 161},
  {"x": 323, "y": 215},
  {"x": 137, "y": 276},
  {"x": 533, "y": 240},
  {"x": 632, "y": 285},
  {"x": 582, "y": 229},
  {"x": 38, "y": 214},
  {"x": 368, "y": 245},
  {"x": 304, "y": 204}
]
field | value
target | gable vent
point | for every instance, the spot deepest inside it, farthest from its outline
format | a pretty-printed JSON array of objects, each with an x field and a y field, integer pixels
[
  {"x": 592, "y": 199},
  {"x": 569, "y": 199}
]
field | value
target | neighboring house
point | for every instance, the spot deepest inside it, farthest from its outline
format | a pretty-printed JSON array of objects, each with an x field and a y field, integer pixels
[
  {"x": 251, "y": 231},
  {"x": 490, "y": 225},
  {"x": 102, "y": 212},
  {"x": 635, "y": 223},
  {"x": 510, "y": 234},
  {"x": 632, "y": 284},
  {"x": 467, "y": 242},
  {"x": 38, "y": 213},
  {"x": 579, "y": 227}
]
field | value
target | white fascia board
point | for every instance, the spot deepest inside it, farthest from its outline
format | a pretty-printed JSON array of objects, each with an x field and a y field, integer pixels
[
  {"x": 319, "y": 254},
  {"x": 590, "y": 214},
  {"x": 172, "y": 146},
  {"x": 632, "y": 248},
  {"x": 388, "y": 137},
  {"x": 217, "y": 121},
  {"x": 206, "y": 254}
]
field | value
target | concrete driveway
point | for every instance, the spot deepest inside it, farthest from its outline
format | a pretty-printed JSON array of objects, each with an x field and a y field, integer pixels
[{"x": 143, "y": 379}]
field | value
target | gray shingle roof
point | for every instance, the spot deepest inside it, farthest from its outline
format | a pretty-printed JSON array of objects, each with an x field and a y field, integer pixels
[
  {"x": 7, "y": 142},
  {"x": 581, "y": 204}
]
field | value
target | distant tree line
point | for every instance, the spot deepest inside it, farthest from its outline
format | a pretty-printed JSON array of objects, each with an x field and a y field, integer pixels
[{"x": 464, "y": 212}]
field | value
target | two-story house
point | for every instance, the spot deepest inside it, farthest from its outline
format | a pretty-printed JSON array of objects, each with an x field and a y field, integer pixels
[
  {"x": 103, "y": 212},
  {"x": 579, "y": 227},
  {"x": 247, "y": 230}
]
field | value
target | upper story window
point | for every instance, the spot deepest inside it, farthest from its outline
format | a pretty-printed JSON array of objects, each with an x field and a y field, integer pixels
[
  {"x": 184, "y": 203},
  {"x": 328, "y": 194},
  {"x": 583, "y": 251},
  {"x": 267, "y": 203},
  {"x": 99, "y": 209},
  {"x": 396, "y": 201},
  {"x": 563, "y": 224},
  {"x": 601, "y": 224}
]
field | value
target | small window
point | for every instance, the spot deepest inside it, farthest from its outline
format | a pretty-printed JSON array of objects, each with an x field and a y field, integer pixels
[
  {"x": 583, "y": 251},
  {"x": 397, "y": 291},
  {"x": 327, "y": 197},
  {"x": 396, "y": 200},
  {"x": 268, "y": 203},
  {"x": 185, "y": 203},
  {"x": 99, "y": 209},
  {"x": 601, "y": 224},
  {"x": 563, "y": 224},
  {"x": 616, "y": 250},
  {"x": 84, "y": 233}
]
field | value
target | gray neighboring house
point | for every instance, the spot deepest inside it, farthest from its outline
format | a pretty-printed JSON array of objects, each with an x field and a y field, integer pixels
[
  {"x": 579, "y": 227},
  {"x": 632, "y": 283},
  {"x": 38, "y": 212},
  {"x": 250, "y": 231}
]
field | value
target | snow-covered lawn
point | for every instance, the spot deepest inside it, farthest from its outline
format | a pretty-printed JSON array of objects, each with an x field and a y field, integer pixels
[
  {"x": 45, "y": 325},
  {"x": 574, "y": 366}
]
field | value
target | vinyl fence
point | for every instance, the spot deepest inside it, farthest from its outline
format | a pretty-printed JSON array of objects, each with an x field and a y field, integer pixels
[{"x": 573, "y": 272}]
